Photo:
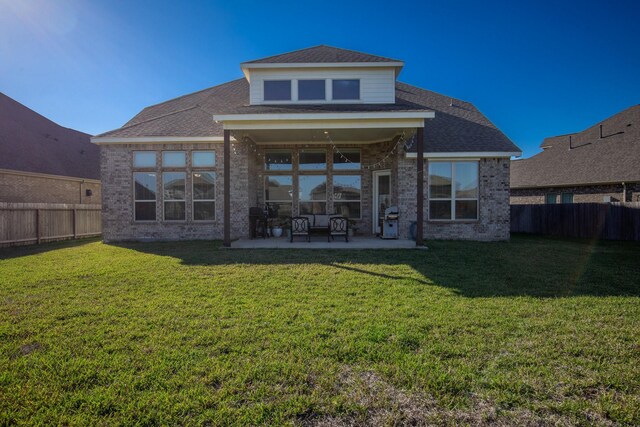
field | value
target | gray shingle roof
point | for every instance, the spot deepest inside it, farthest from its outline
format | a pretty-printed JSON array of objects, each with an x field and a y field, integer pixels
[
  {"x": 321, "y": 54},
  {"x": 585, "y": 158},
  {"x": 457, "y": 126},
  {"x": 30, "y": 142}
]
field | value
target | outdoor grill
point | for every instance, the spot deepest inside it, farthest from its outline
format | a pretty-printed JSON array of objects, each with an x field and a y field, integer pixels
[{"x": 390, "y": 223}]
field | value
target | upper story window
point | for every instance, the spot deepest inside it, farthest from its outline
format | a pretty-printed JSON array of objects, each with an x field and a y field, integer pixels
[
  {"x": 311, "y": 90},
  {"x": 346, "y": 89},
  {"x": 277, "y": 90}
]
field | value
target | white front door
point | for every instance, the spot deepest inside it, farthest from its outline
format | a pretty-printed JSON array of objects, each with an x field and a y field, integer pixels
[{"x": 381, "y": 198}]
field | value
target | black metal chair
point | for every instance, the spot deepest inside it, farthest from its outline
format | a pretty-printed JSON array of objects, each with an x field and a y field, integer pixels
[
  {"x": 300, "y": 227},
  {"x": 257, "y": 221},
  {"x": 338, "y": 226}
]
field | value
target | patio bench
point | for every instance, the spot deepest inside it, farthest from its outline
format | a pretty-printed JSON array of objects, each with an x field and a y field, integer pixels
[{"x": 333, "y": 225}]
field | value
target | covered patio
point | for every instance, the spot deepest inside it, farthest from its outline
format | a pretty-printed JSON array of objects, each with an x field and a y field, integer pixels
[{"x": 284, "y": 138}]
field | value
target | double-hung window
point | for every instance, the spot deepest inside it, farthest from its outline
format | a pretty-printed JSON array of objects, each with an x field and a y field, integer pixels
[
  {"x": 144, "y": 186},
  {"x": 453, "y": 190},
  {"x": 174, "y": 185},
  {"x": 204, "y": 185}
]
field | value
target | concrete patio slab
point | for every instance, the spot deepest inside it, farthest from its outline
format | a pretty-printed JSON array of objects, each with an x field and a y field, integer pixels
[{"x": 320, "y": 242}]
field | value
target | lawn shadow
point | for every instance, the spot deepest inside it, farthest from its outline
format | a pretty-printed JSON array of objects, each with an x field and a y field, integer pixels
[
  {"x": 526, "y": 266},
  {"x": 26, "y": 250}
]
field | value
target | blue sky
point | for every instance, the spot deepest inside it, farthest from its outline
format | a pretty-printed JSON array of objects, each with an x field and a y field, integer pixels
[{"x": 536, "y": 69}]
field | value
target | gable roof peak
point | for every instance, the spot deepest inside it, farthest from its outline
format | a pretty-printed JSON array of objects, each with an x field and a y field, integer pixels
[{"x": 322, "y": 54}]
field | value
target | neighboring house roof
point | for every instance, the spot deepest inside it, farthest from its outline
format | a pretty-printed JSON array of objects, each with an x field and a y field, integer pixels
[
  {"x": 458, "y": 126},
  {"x": 584, "y": 158},
  {"x": 321, "y": 54},
  {"x": 30, "y": 142}
]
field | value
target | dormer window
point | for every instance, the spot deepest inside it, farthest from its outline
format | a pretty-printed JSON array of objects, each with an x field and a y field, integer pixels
[
  {"x": 311, "y": 90},
  {"x": 344, "y": 89},
  {"x": 277, "y": 90}
]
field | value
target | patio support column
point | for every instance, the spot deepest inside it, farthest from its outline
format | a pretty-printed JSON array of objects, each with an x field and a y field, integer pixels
[
  {"x": 227, "y": 189},
  {"x": 420, "y": 185}
]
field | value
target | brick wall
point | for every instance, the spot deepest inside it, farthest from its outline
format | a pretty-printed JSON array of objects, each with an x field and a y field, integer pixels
[
  {"x": 493, "y": 204},
  {"x": 247, "y": 189},
  {"x": 116, "y": 163},
  {"x": 581, "y": 194},
  {"x": 16, "y": 187}
]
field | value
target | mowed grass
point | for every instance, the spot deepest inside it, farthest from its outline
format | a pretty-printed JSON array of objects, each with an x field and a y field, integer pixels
[{"x": 535, "y": 331}]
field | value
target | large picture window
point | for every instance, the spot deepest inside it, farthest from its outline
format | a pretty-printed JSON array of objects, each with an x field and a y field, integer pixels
[
  {"x": 313, "y": 194},
  {"x": 174, "y": 196},
  {"x": 144, "y": 196},
  {"x": 453, "y": 190},
  {"x": 347, "y": 194},
  {"x": 204, "y": 196},
  {"x": 278, "y": 194}
]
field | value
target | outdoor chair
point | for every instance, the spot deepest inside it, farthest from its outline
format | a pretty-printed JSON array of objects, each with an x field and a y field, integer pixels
[
  {"x": 300, "y": 227},
  {"x": 338, "y": 226}
]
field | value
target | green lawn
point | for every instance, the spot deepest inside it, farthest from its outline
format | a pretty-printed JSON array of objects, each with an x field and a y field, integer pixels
[{"x": 535, "y": 331}]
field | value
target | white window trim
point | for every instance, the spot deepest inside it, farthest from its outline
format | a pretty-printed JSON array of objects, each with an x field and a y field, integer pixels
[
  {"x": 194, "y": 200},
  {"x": 333, "y": 176},
  {"x": 174, "y": 200},
  {"x": 154, "y": 201},
  {"x": 453, "y": 197}
]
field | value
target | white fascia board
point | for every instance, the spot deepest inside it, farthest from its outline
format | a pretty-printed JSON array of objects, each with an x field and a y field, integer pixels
[
  {"x": 104, "y": 140},
  {"x": 326, "y": 116},
  {"x": 394, "y": 64},
  {"x": 323, "y": 124},
  {"x": 465, "y": 154}
]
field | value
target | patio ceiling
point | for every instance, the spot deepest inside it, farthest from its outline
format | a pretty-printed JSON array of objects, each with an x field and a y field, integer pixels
[
  {"x": 319, "y": 136},
  {"x": 323, "y": 128}
]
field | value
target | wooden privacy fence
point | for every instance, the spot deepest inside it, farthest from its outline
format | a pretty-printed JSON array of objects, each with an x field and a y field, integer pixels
[
  {"x": 28, "y": 223},
  {"x": 610, "y": 221}
]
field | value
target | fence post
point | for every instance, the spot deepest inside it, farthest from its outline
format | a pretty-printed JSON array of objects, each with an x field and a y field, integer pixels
[
  {"x": 38, "y": 234},
  {"x": 75, "y": 226}
]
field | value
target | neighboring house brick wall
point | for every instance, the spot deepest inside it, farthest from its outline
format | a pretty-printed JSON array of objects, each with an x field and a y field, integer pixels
[
  {"x": 493, "y": 217},
  {"x": 581, "y": 194},
  {"x": 18, "y": 187},
  {"x": 116, "y": 162}
]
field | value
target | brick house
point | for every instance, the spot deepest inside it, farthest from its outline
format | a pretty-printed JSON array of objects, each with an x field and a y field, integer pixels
[
  {"x": 600, "y": 164},
  {"x": 43, "y": 162},
  {"x": 321, "y": 130}
]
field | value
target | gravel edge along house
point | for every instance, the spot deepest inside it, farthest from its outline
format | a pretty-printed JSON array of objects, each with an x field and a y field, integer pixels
[{"x": 318, "y": 131}]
